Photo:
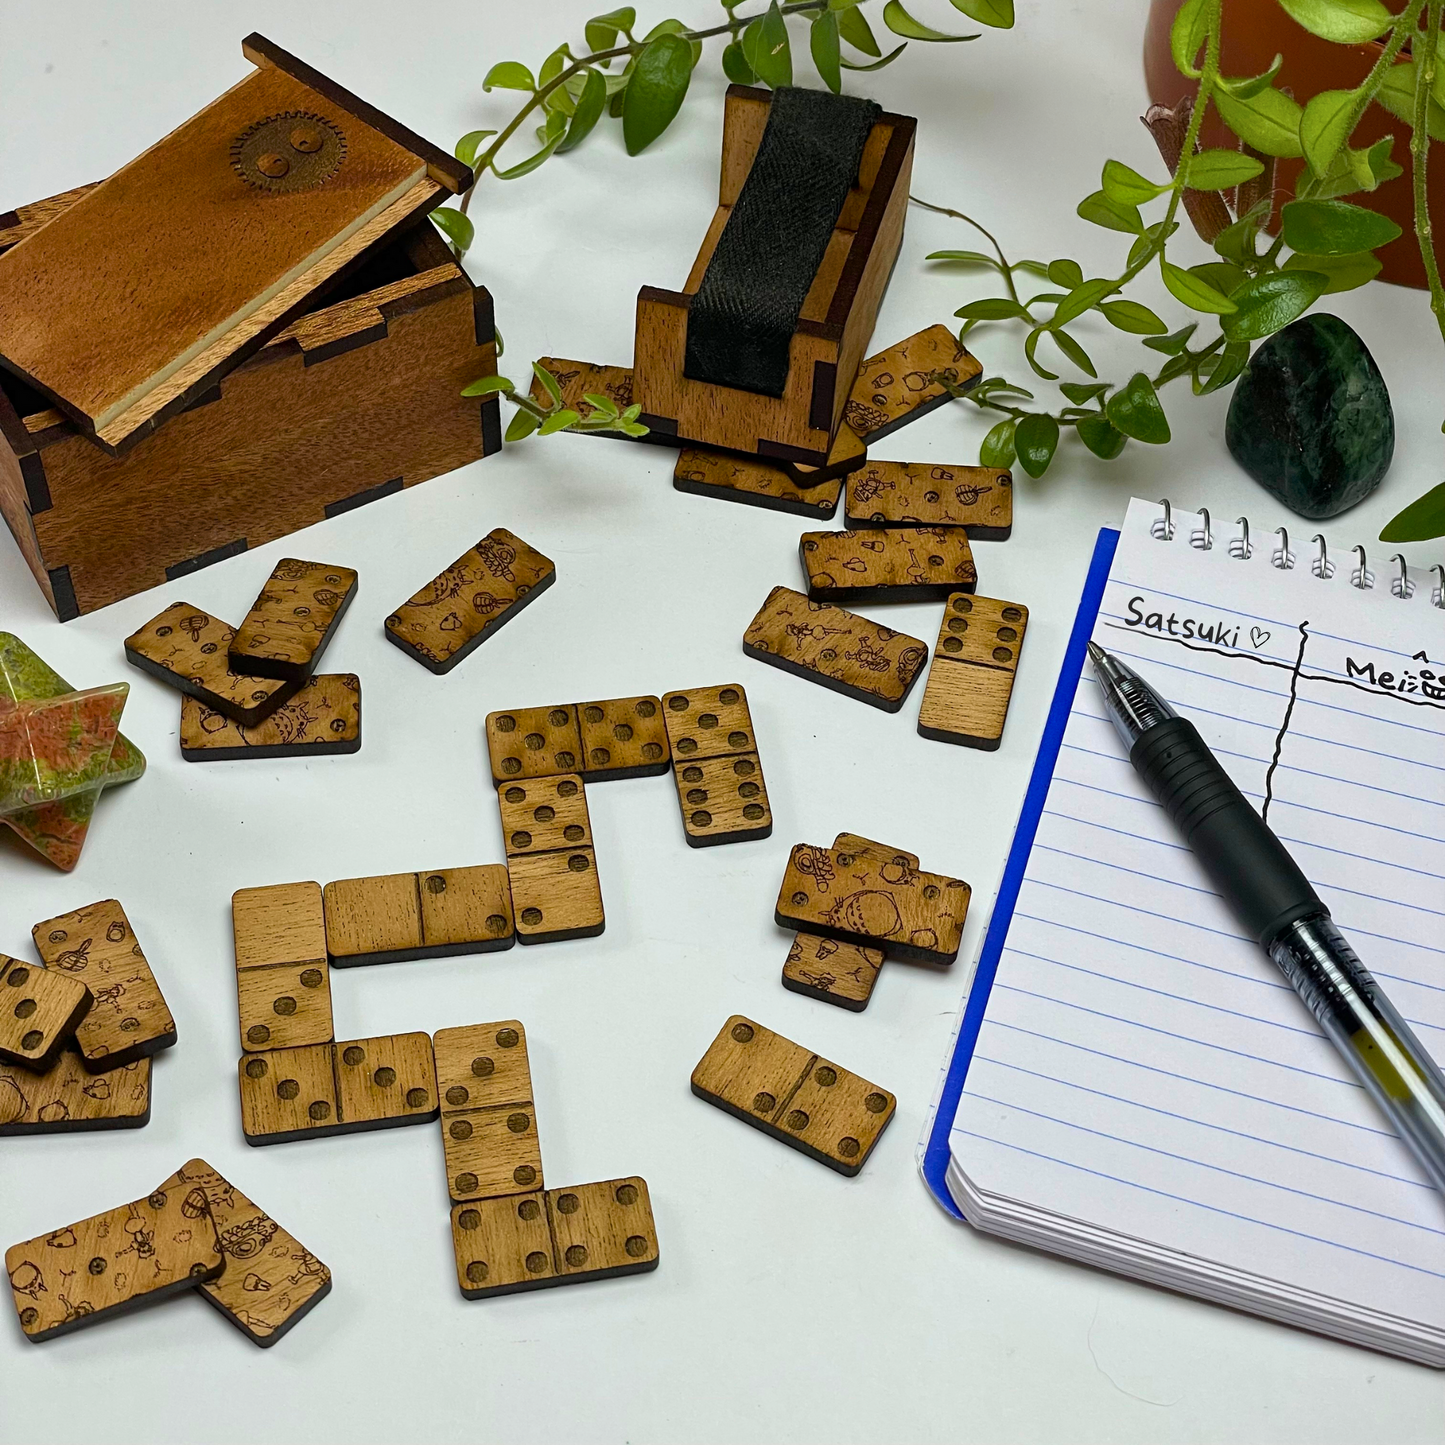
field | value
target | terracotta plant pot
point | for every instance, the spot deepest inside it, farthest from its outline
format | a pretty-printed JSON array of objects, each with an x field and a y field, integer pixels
[{"x": 1254, "y": 32}]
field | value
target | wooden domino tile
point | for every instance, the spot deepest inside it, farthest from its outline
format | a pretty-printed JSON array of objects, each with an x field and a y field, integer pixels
[
  {"x": 39, "y": 1011},
  {"x": 190, "y": 650},
  {"x": 753, "y": 482},
  {"x": 283, "y": 983},
  {"x": 270, "y": 1281},
  {"x": 889, "y": 904},
  {"x": 68, "y": 1099},
  {"x": 565, "y": 1236},
  {"x": 543, "y": 815},
  {"x": 322, "y": 720},
  {"x": 489, "y": 1124},
  {"x": 789, "y": 1092},
  {"x": 293, "y": 620},
  {"x": 971, "y": 681},
  {"x": 399, "y": 916},
  {"x": 483, "y": 590},
  {"x": 533, "y": 742},
  {"x": 342, "y": 1088},
  {"x": 723, "y": 800},
  {"x": 129, "y": 1018},
  {"x": 834, "y": 972},
  {"x": 855, "y": 843},
  {"x": 709, "y": 722},
  {"x": 906, "y": 381},
  {"x": 835, "y": 648},
  {"x": 917, "y": 494},
  {"x": 577, "y": 378},
  {"x": 556, "y": 896},
  {"x": 113, "y": 1262},
  {"x": 913, "y": 564},
  {"x": 623, "y": 737}
]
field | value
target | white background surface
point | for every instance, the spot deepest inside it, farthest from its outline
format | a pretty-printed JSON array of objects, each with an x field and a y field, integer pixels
[{"x": 791, "y": 1304}]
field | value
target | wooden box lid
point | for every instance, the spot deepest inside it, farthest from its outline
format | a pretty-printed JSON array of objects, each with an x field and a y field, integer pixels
[{"x": 143, "y": 293}]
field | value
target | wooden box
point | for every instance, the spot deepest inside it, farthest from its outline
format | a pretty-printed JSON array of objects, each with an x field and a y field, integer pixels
[
  {"x": 832, "y": 335},
  {"x": 339, "y": 397}
]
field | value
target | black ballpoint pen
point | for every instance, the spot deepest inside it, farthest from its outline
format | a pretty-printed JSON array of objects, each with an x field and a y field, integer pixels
[{"x": 1277, "y": 907}]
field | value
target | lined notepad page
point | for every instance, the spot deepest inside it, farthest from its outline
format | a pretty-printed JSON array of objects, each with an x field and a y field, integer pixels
[{"x": 1141, "y": 1066}]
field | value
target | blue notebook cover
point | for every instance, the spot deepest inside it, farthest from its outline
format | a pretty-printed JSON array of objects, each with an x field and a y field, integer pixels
[{"x": 935, "y": 1155}]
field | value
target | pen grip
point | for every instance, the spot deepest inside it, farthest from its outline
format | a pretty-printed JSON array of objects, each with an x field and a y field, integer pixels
[{"x": 1247, "y": 864}]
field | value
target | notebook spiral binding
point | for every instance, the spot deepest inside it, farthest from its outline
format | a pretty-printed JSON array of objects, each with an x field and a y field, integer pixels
[{"x": 1241, "y": 549}]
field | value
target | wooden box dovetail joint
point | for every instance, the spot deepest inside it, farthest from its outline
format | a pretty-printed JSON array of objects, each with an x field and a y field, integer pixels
[
  {"x": 129, "y": 1018},
  {"x": 835, "y": 648},
  {"x": 723, "y": 800},
  {"x": 791, "y": 1093},
  {"x": 489, "y": 1125},
  {"x": 114, "y": 1262},
  {"x": 322, "y": 720},
  {"x": 39, "y": 1011},
  {"x": 556, "y": 896},
  {"x": 623, "y": 737},
  {"x": 458, "y": 610},
  {"x": 270, "y": 1281},
  {"x": 908, "y": 380},
  {"x": 341, "y": 1088},
  {"x": 971, "y": 680},
  {"x": 916, "y": 494},
  {"x": 754, "y": 483},
  {"x": 565, "y": 1236},
  {"x": 533, "y": 742},
  {"x": 292, "y": 621},
  {"x": 834, "y": 326},
  {"x": 914, "y": 564},
  {"x": 866, "y": 899}
]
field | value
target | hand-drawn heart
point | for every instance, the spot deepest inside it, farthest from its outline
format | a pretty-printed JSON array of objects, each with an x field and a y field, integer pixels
[{"x": 1258, "y": 636}]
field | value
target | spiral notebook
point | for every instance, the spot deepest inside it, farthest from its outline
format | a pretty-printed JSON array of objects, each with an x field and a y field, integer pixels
[{"x": 1132, "y": 1083}]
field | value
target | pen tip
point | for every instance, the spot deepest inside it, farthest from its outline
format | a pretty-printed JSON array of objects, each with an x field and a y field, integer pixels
[{"x": 1097, "y": 654}]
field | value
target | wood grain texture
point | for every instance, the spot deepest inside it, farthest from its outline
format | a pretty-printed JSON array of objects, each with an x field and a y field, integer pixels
[
  {"x": 565, "y": 1236},
  {"x": 845, "y": 456},
  {"x": 293, "y": 620},
  {"x": 341, "y": 1088},
  {"x": 190, "y": 650},
  {"x": 283, "y": 982},
  {"x": 543, "y": 815},
  {"x": 906, "y": 381},
  {"x": 322, "y": 720},
  {"x": 723, "y": 800},
  {"x": 791, "y": 1093},
  {"x": 477, "y": 595},
  {"x": 878, "y": 903},
  {"x": 400, "y": 916},
  {"x": 129, "y": 1018},
  {"x": 270, "y": 1281},
  {"x": 623, "y": 737},
  {"x": 16, "y": 225},
  {"x": 556, "y": 896},
  {"x": 856, "y": 843},
  {"x": 281, "y": 923},
  {"x": 103, "y": 1266},
  {"x": 39, "y": 1012},
  {"x": 918, "y": 494},
  {"x": 966, "y": 697},
  {"x": 466, "y": 910},
  {"x": 839, "y": 973},
  {"x": 835, "y": 648},
  {"x": 709, "y": 722},
  {"x": 753, "y": 482},
  {"x": 533, "y": 742},
  {"x": 912, "y": 564},
  {"x": 489, "y": 1123},
  {"x": 68, "y": 1099},
  {"x": 577, "y": 378}
]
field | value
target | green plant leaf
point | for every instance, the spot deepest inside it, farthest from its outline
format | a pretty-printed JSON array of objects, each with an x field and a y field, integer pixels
[
  {"x": 1126, "y": 187},
  {"x": 900, "y": 22},
  {"x": 1220, "y": 170},
  {"x": 509, "y": 75},
  {"x": 1397, "y": 95},
  {"x": 554, "y": 65},
  {"x": 1036, "y": 439},
  {"x": 1236, "y": 241},
  {"x": 470, "y": 144},
  {"x": 1031, "y": 345},
  {"x": 590, "y": 105},
  {"x": 549, "y": 382},
  {"x": 656, "y": 91},
  {"x": 486, "y": 385},
  {"x": 1325, "y": 127},
  {"x": 1080, "y": 392},
  {"x": 1269, "y": 121},
  {"x": 603, "y": 405},
  {"x": 1222, "y": 275},
  {"x": 1372, "y": 167},
  {"x": 1175, "y": 366},
  {"x": 853, "y": 26},
  {"x": 877, "y": 64},
  {"x": 735, "y": 65},
  {"x": 1074, "y": 352},
  {"x": 1247, "y": 87},
  {"x": 1174, "y": 343},
  {"x": 1101, "y": 436},
  {"x": 457, "y": 228},
  {"x": 992, "y": 308},
  {"x": 998, "y": 13},
  {"x": 1266, "y": 303},
  {"x": 1081, "y": 299},
  {"x": 1064, "y": 272},
  {"x": 674, "y": 27},
  {"x": 766, "y": 48},
  {"x": 1099, "y": 210},
  {"x": 1334, "y": 228},
  {"x": 1195, "y": 292},
  {"x": 1222, "y": 368},
  {"x": 1343, "y": 273},
  {"x": 997, "y": 449},
  {"x": 1346, "y": 22},
  {"x": 1187, "y": 35},
  {"x": 558, "y": 421},
  {"x": 1133, "y": 317},
  {"x": 1136, "y": 412},
  {"x": 522, "y": 425},
  {"x": 602, "y": 30},
  {"x": 1421, "y": 521},
  {"x": 975, "y": 258},
  {"x": 824, "y": 48},
  {"x": 526, "y": 167}
]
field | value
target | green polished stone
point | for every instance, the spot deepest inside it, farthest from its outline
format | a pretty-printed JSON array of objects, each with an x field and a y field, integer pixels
[{"x": 1311, "y": 420}]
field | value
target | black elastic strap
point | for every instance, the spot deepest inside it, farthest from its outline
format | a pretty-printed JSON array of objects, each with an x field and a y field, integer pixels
[{"x": 745, "y": 312}]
